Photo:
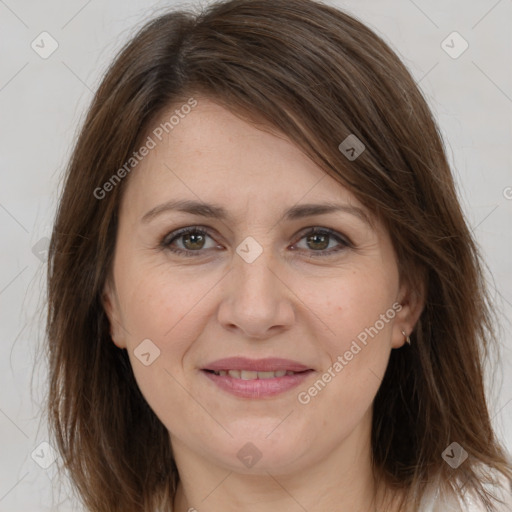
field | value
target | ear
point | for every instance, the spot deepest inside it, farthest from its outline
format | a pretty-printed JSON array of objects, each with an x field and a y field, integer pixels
[
  {"x": 412, "y": 301},
  {"x": 112, "y": 309}
]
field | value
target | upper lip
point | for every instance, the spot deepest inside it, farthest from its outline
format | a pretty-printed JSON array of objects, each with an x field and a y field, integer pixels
[{"x": 269, "y": 364}]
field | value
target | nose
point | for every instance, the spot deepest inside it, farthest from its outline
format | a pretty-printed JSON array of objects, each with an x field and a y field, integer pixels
[{"x": 256, "y": 301}]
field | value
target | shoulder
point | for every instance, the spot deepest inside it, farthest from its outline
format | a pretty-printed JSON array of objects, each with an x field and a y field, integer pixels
[{"x": 436, "y": 500}]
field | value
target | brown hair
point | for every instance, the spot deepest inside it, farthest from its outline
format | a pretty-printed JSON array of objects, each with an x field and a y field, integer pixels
[{"x": 317, "y": 75}]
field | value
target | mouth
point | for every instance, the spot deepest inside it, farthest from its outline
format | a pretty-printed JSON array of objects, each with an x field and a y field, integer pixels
[{"x": 251, "y": 378}]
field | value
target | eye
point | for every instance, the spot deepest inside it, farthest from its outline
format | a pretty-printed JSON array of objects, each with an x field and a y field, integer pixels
[
  {"x": 318, "y": 240},
  {"x": 193, "y": 240}
]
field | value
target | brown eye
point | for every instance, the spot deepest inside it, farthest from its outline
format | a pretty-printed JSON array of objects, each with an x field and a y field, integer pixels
[
  {"x": 192, "y": 240},
  {"x": 318, "y": 241}
]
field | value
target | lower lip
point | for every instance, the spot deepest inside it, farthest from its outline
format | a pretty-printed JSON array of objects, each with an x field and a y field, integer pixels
[{"x": 258, "y": 388}]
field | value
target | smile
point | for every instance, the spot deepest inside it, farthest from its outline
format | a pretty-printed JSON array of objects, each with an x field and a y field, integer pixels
[
  {"x": 253, "y": 384},
  {"x": 252, "y": 375}
]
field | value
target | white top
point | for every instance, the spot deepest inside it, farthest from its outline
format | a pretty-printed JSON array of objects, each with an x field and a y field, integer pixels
[{"x": 433, "y": 501}]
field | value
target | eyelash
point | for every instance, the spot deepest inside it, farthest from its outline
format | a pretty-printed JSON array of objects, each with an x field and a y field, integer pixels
[{"x": 175, "y": 235}]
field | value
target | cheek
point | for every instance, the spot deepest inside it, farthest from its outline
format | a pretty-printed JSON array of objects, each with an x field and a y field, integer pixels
[
  {"x": 353, "y": 303},
  {"x": 165, "y": 304},
  {"x": 170, "y": 312},
  {"x": 164, "y": 313},
  {"x": 359, "y": 311}
]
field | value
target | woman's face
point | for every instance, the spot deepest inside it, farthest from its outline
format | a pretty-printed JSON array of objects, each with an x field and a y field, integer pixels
[{"x": 253, "y": 283}]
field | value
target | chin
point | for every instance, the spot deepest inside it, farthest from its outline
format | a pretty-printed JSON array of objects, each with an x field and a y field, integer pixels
[{"x": 264, "y": 452}]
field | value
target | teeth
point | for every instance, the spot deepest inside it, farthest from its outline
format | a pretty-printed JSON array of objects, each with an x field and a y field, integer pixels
[
  {"x": 252, "y": 375},
  {"x": 266, "y": 375},
  {"x": 247, "y": 375}
]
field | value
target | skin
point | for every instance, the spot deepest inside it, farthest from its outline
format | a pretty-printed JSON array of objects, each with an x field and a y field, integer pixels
[{"x": 287, "y": 303}]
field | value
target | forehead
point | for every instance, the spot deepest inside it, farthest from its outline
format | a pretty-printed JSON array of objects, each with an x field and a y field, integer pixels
[{"x": 212, "y": 155}]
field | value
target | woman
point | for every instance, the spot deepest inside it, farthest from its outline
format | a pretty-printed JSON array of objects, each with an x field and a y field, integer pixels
[{"x": 262, "y": 290}]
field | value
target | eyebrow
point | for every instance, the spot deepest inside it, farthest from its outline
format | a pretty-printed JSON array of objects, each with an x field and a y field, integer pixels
[{"x": 218, "y": 212}]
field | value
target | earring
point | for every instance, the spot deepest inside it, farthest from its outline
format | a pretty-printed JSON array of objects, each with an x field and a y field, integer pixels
[{"x": 407, "y": 338}]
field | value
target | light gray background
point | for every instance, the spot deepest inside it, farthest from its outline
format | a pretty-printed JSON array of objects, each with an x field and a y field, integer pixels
[{"x": 42, "y": 102}]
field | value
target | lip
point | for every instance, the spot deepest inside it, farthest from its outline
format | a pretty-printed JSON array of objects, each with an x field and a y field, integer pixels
[
  {"x": 257, "y": 388},
  {"x": 269, "y": 364}
]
